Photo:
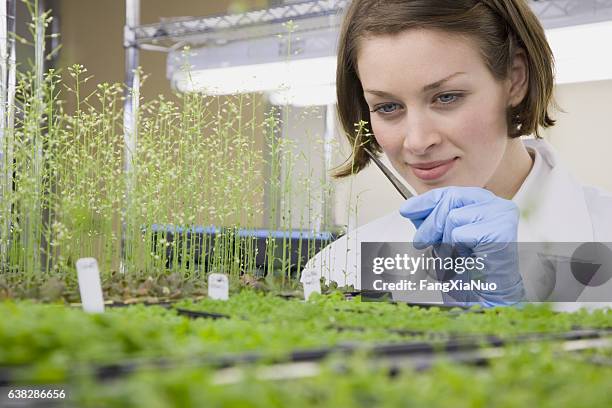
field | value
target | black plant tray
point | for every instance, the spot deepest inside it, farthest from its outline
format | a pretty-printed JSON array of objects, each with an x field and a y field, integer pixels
[
  {"x": 200, "y": 243},
  {"x": 194, "y": 314},
  {"x": 454, "y": 349},
  {"x": 164, "y": 303},
  {"x": 169, "y": 305}
]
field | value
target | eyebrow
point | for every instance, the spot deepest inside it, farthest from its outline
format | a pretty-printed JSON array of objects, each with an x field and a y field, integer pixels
[{"x": 426, "y": 88}]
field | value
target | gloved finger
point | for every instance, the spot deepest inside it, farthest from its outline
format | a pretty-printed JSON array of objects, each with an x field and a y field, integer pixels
[
  {"x": 431, "y": 229},
  {"x": 457, "y": 217},
  {"x": 418, "y": 208},
  {"x": 501, "y": 259},
  {"x": 485, "y": 236}
]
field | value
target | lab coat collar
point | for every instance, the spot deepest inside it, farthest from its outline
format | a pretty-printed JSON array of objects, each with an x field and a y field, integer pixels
[{"x": 551, "y": 201}]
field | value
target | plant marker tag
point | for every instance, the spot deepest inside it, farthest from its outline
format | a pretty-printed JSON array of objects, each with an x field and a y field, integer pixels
[
  {"x": 311, "y": 284},
  {"x": 89, "y": 285},
  {"x": 218, "y": 286}
]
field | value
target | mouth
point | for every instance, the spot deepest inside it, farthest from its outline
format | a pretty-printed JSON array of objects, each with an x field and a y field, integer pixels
[{"x": 432, "y": 170}]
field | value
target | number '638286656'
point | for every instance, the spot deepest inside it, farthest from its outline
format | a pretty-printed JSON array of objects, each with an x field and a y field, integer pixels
[{"x": 36, "y": 394}]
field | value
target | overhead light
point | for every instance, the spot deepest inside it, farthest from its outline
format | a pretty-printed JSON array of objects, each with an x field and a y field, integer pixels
[
  {"x": 272, "y": 76},
  {"x": 297, "y": 69},
  {"x": 305, "y": 96}
]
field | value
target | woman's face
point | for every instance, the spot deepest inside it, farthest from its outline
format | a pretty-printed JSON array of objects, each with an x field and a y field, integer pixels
[{"x": 436, "y": 110}]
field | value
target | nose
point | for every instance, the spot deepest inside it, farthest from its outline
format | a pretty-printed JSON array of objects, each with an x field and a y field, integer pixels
[{"x": 420, "y": 134}]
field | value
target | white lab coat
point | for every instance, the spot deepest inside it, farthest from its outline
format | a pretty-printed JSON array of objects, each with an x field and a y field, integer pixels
[{"x": 554, "y": 207}]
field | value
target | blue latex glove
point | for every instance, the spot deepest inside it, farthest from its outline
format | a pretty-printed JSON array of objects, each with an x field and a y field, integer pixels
[{"x": 471, "y": 221}]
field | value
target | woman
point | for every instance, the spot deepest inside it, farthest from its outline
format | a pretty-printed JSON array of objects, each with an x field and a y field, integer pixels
[{"x": 447, "y": 87}]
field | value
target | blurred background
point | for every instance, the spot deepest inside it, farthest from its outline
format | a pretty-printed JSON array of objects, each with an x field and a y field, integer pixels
[{"x": 93, "y": 33}]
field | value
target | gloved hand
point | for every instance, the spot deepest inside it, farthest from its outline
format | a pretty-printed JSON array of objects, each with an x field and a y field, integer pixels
[{"x": 471, "y": 221}]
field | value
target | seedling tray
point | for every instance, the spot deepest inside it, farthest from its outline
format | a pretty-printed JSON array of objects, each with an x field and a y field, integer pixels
[
  {"x": 424, "y": 353},
  {"x": 419, "y": 355}
]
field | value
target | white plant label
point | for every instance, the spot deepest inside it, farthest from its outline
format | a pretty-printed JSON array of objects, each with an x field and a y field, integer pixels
[
  {"x": 311, "y": 284},
  {"x": 89, "y": 285},
  {"x": 218, "y": 286}
]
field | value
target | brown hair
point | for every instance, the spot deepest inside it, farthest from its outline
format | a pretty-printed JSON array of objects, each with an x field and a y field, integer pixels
[{"x": 499, "y": 27}]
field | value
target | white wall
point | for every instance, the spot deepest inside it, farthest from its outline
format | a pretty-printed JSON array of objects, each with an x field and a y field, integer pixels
[{"x": 583, "y": 135}]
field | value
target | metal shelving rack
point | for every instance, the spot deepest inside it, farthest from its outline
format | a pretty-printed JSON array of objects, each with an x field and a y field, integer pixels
[
  {"x": 561, "y": 13},
  {"x": 224, "y": 28},
  {"x": 172, "y": 34}
]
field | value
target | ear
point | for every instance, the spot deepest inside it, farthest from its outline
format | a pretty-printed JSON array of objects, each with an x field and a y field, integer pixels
[{"x": 519, "y": 78}]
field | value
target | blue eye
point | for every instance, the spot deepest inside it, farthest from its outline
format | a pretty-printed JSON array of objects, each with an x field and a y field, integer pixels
[
  {"x": 386, "y": 108},
  {"x": 453, "y": 99}
]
